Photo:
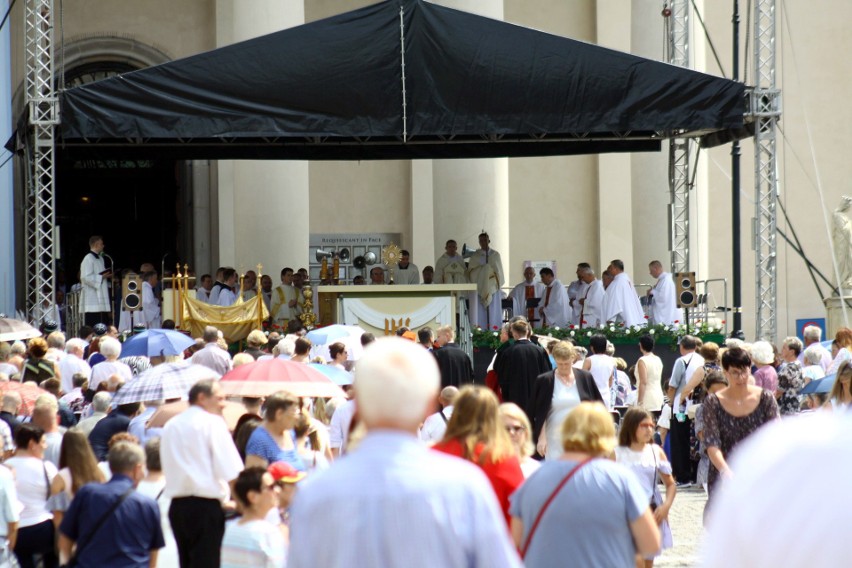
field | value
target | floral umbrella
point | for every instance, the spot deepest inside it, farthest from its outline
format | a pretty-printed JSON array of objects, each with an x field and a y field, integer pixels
[{"x": 29, "y": 392}]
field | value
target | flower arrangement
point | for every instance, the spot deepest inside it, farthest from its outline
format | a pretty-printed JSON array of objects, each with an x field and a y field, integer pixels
[{"x": 617, "y": 333}]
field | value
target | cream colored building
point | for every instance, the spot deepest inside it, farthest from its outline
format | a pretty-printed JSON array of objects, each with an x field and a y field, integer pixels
[{"x": 571, "y": 209}]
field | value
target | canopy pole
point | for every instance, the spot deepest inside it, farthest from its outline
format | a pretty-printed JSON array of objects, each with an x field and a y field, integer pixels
[{"x": 402, "y": 68}]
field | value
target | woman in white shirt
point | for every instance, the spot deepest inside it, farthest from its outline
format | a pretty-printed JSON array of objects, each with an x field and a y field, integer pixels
[
  {"x": 33, "y": 476},
  {"x": 649, "y": 374}
]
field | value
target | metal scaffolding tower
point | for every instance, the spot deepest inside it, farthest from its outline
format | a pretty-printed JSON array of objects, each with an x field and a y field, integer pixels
[
  {"x": 40, "y": 155},
  {"x": 680, "y": 180},
  {"x": 765, "y": 107}
]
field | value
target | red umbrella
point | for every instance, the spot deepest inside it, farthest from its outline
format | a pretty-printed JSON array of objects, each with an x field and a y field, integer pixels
[
  {"x": 29, "y": 392},
  {"x": 263, "y": 378}
]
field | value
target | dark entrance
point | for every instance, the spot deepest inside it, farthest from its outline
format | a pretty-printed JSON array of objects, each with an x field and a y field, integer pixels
[{"x": 133, "y": 204}]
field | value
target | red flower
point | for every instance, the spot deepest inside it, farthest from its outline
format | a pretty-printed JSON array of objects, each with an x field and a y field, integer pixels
[
  {"x": 723, "y": 321},
  {"x": 677, "y": 321},
  {"x": 585, "y": 322},
  {"x": 646, "y": 317},
  {"x": 495, "y": 327},
  {"x": 571, "y": 326}
]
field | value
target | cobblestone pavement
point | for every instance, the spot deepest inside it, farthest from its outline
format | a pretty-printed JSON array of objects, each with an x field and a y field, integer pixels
[{"x": 685, "y": 519}]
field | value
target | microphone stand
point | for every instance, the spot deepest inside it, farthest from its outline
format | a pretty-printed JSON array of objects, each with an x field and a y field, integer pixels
[{"x": 110, "y": 282}]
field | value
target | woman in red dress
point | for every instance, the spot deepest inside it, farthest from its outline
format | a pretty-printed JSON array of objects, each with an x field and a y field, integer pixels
[{"x": 476, "y": 433}]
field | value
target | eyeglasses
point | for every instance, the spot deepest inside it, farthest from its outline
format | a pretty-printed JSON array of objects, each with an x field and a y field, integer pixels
[{"x": 514, "y": 429}]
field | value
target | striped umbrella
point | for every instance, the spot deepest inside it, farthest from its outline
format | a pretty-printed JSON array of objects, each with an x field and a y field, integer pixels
[{"x": 163, "y": 382}]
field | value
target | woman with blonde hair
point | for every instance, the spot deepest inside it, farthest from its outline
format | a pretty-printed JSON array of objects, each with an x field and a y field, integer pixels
[
  {"x": 518, "y": 426},
  {"x": 476, "y": 433},
  {"x": 555, "y": 393},
  {"x": 583, "y": 506},
  {"x": 840, "y": 397}
]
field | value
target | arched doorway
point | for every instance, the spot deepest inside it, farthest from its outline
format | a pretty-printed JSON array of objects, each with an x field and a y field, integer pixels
[{"x": 140, "y": 207}]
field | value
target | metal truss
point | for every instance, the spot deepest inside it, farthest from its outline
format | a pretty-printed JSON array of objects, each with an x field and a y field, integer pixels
[
  {"x": 40, "y": 155},
  {"x": 680, "y": 181},
  {"x": 766, "y": 110}
]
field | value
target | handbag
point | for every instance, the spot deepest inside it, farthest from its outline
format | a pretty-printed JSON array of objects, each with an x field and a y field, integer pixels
[
  {"x": 544, "y": 507},
  {"x": 653, "y": 504},
  {"x": 81, "y": 544}
]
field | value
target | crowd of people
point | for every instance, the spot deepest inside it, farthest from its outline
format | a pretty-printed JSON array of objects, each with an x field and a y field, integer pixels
[{"x": 567, "y": 451}]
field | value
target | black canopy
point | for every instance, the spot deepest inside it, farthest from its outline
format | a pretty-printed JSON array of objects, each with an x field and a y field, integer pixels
[{"x": 342, "y": 88}]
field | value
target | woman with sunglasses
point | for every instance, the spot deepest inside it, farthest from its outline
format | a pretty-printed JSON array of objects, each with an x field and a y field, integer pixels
[
  {"x": 733, "y": 413},
  {"x": 518, "y": 426}
]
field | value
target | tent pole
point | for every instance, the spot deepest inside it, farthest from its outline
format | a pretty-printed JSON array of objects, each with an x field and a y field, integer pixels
[{"x": 402, "y": 69}]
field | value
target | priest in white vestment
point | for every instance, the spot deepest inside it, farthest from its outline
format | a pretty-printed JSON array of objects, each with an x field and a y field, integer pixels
[
  {"x": 406, "y": 272},
  {"x": 94, "y": 295},
  {"x": 663, "y": 296},
  {"x": 591, "y": 303},
  {"x": 285, "y": 299},
  {"x": 524, "y": 291},
  {"x": 450, "y": 268},
  {"x": 485, "y": 269},
  {"x": 150, "y": 304},
  {"x": 553, "y": 307},
  {"x": 621, "y": 304}
]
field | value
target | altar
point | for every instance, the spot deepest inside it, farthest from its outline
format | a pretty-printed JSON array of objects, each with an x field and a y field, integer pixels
[{"x": 382, "y": 309}]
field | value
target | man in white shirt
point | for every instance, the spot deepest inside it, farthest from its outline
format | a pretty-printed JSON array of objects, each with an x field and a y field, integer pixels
[
  {"x": 199, "y": 460},
  {"x": 436, "y": 424},
  {"x": 601, "y": 366},
  {"x": 663, "y": 295},
  {"x": 150, "y": 302},
  {"x": 338, "y": 429},
  {"x": 73, "y": 363},
  {"x": 812, "y": 335},
  {"x": 590, "y": 304},
  {"x": 450, "y": 268},
  {"x": 227, "y": 295},
  {"x": 621, "y": 304},
  {"x": 526, "y": 290},
  {"x": 683, "y": 468},
  {"x": 553, "y": 308},
  {"x": 212, "y": 356},
  {"x": 205, "y": 285},
  {"x": 415, "y": 507},
  {"x": 406, "y": 272}
]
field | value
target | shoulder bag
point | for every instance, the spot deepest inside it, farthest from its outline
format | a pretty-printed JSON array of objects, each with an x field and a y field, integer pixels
[
  {"x": 83, "y": 542},
  {"x": 549, "y": 500}
]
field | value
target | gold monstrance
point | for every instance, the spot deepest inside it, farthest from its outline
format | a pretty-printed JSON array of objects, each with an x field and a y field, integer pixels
[{"x": 391, "y": 257}]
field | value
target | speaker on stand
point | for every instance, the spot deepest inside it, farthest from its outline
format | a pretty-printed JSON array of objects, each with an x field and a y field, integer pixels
[
  {"x": 685, "y": 291},
  {"x": 131, "y": 292}
]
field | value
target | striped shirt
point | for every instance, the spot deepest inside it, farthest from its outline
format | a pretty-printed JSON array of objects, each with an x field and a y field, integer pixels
[
  {"x": 395, "y": 502},
  {"x": 255, "y": 544}
]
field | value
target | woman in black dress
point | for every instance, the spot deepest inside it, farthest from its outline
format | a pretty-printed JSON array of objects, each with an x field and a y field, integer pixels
[{"x": 733, "y": 413}]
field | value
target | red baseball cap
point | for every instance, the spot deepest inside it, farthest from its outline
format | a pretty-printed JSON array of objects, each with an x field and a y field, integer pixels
[{"x": 283, "y": 471}]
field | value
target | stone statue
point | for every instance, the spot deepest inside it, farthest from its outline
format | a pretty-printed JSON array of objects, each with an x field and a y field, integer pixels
[{"x": 843, "y": 244}]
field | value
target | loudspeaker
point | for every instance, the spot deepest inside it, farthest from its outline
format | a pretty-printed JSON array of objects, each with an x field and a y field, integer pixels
[
  {"x": 466, "y": 251},
  {"x": 344, "y": 255},
  {"x": 131, "y": 292},
  {"x": 685, "y": 288},
  {"x": 360, "y": 262}
]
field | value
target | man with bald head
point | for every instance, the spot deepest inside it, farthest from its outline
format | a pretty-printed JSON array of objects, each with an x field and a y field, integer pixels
[
  {"x": 435, "y": 425},
  {"x": 415, "y": 508},
  {"x": 525, "y": 291}
]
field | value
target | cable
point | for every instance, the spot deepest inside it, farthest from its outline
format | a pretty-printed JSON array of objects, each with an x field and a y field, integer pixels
[
  {"x": 710, "y": 41},
  {"x": 6, "y": 15},
  {"x": 6, "y": 161}
]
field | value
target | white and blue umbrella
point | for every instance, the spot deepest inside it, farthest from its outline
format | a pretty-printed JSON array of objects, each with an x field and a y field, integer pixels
[
  {"x": 157, "y": 343},
  {"x": 163, "y": 382},
  {"x": 340, "y": 377}
]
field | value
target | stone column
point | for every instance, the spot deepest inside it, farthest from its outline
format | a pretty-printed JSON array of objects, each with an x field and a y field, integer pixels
[
  {"x": 472, "y": 194},
  {"x": 263, "y": 205},
  {"x": 615, "y": 195}
]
